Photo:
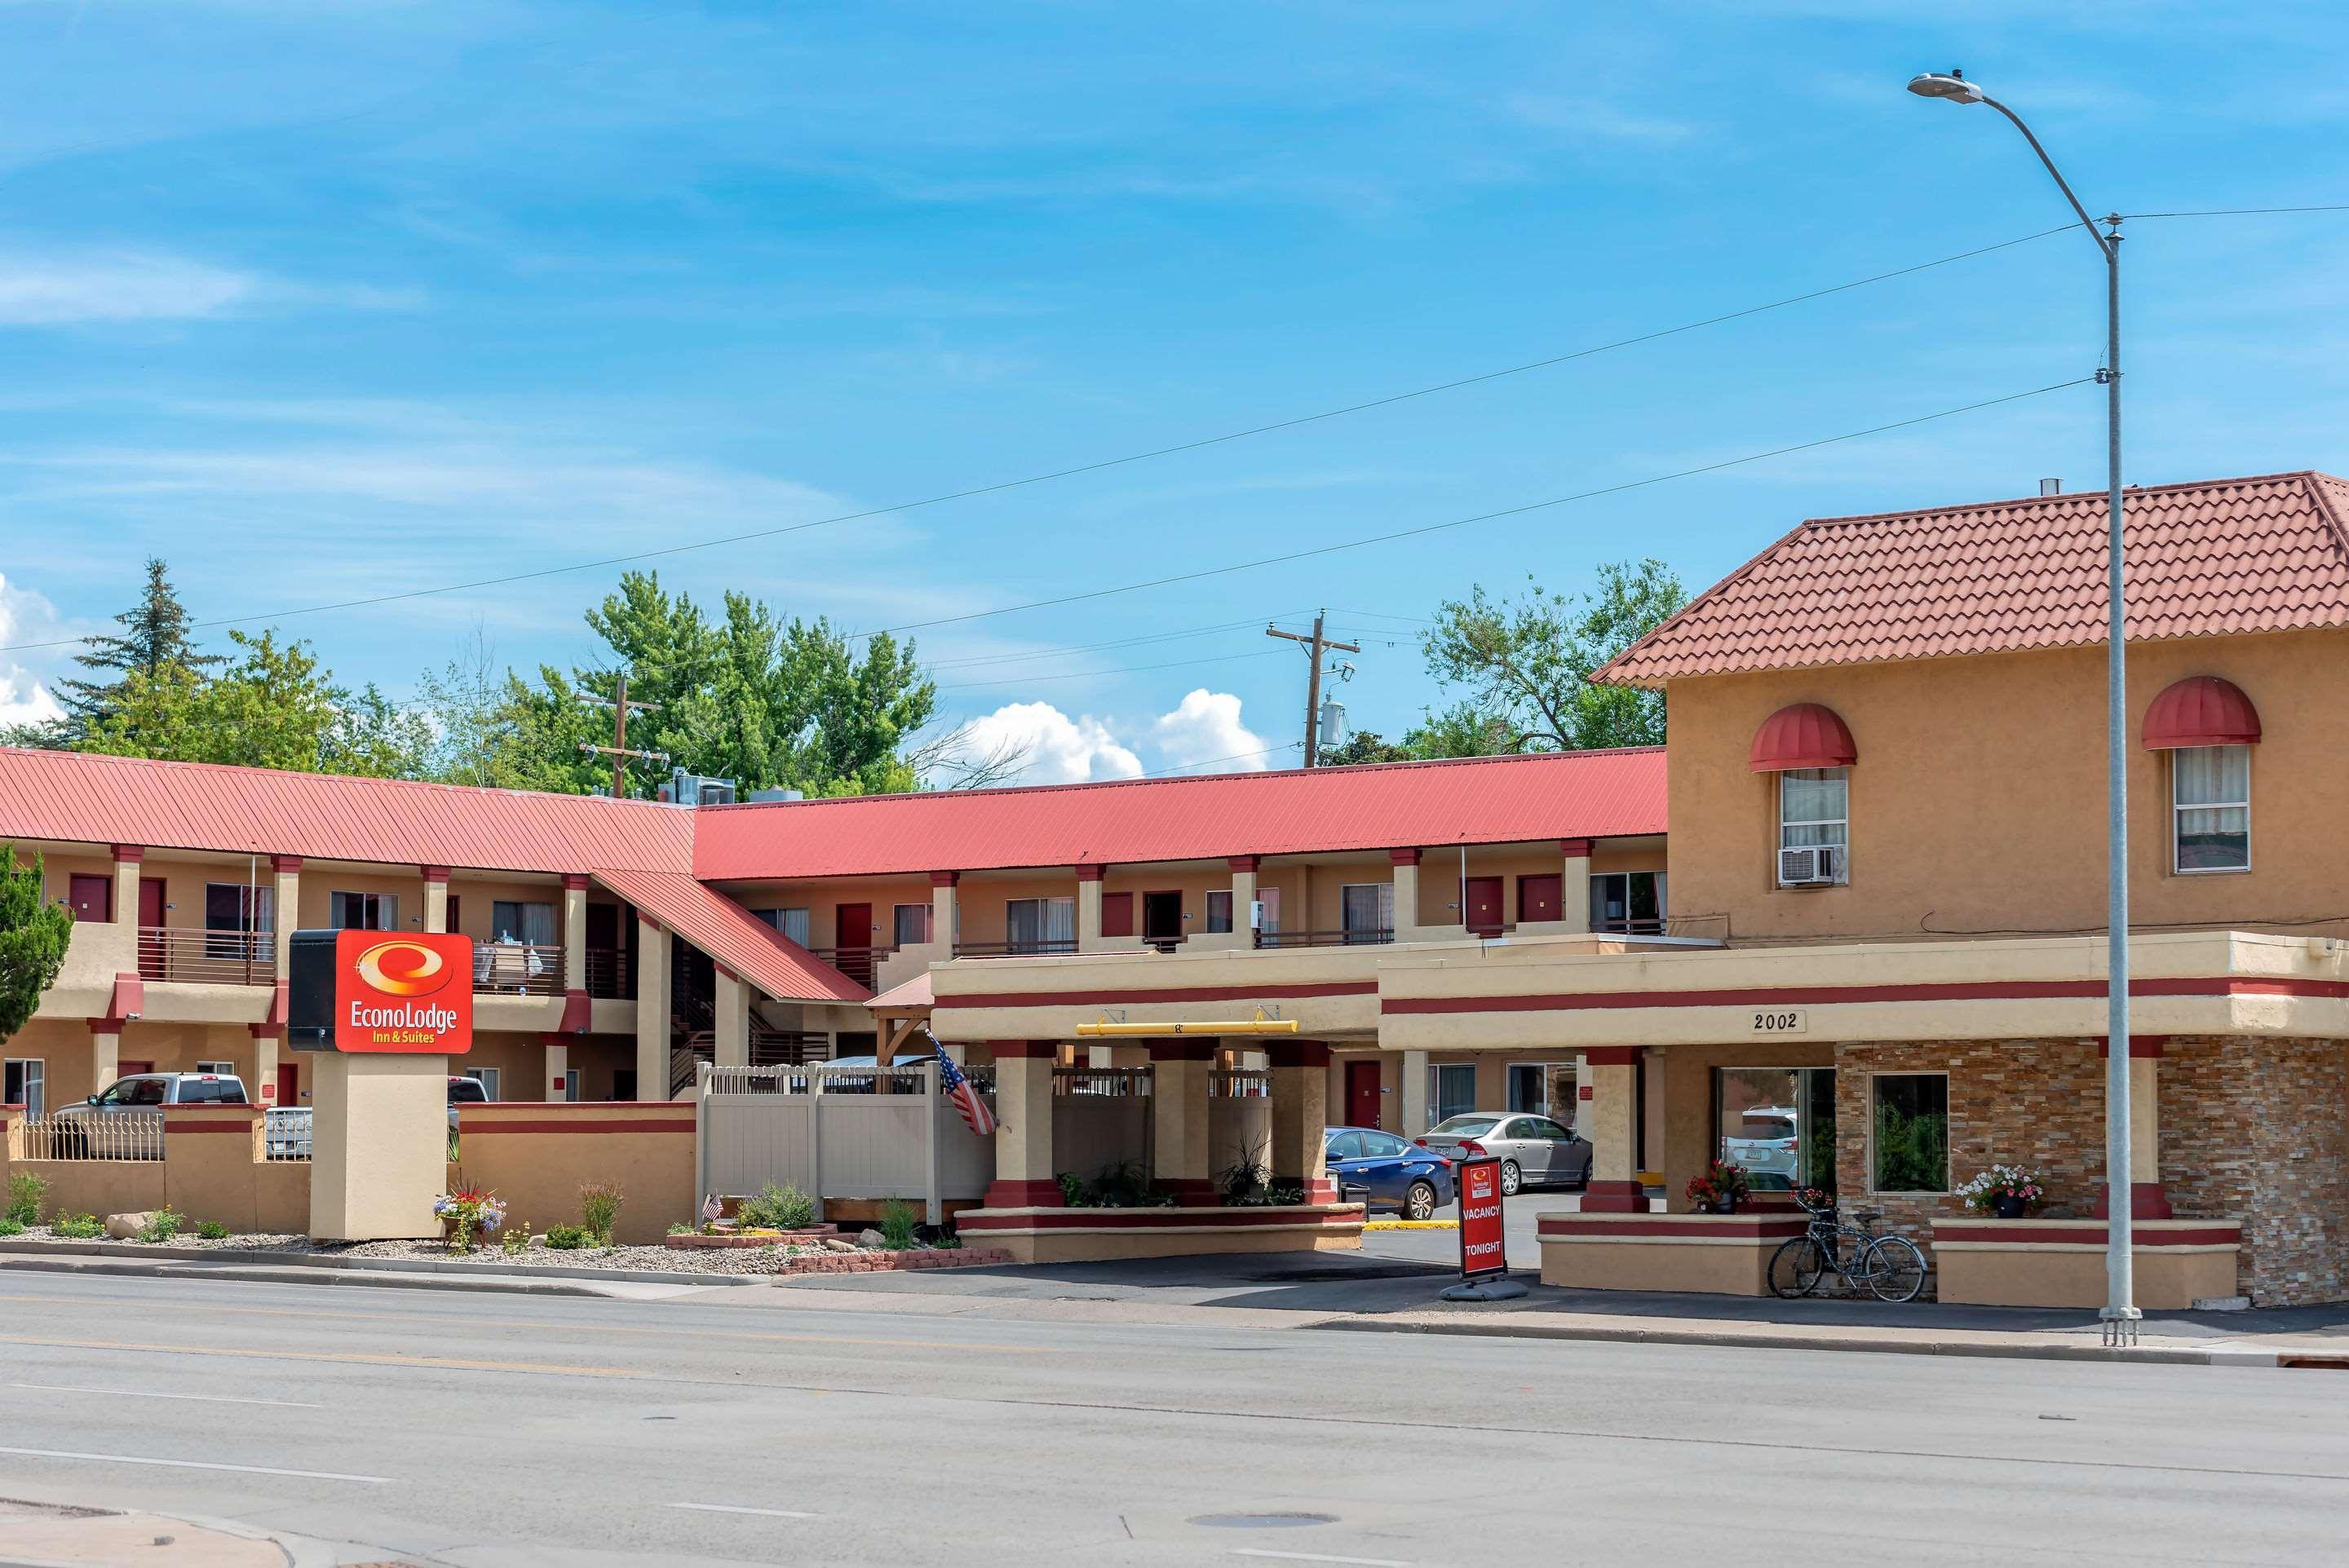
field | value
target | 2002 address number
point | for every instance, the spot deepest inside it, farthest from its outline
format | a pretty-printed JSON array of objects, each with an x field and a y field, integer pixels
[{"x": 1781, "y": 1021}]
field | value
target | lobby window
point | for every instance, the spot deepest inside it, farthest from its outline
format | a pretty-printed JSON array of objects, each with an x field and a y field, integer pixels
[
  {"x": 1220, "y": 911},
  {"x": 1451, "y": 1090},
  {"x": 2210, "y": 809},
  {"x": 1908, "y": 1133},
  {"x": 1779, "y": 1123},
  {"x": 913, "y": 925},
  {"x": 1628, "y": 904},
  {"x": 363, "y": 911},
  {"x": 20, "y": 1084},
  {"x": 1813, "y": 826}
]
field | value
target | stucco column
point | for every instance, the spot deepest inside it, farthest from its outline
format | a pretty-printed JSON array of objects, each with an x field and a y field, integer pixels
[
  {"x": 553, "y": 1079},
  {"x": 1179, "y": 1110},
  {"x": 435, "y": 897},
  {"x": 1088, "y": 908},
  {"x": 2148, "y": 1200},
  {"x": 574, "y": 933},
  {"x": 127, "y": 860},
  {"x": 942, "y": 908},
  {"x": 1244, "y": 875},
  {"x": 1609, "y": 1121},
  {"x": 1416, "y": 1119},
  {"x": 1573, "y": 886},
  {"x": 652, "y": 1009},
  {"x": 1301, "y": 1108},
  {"x": 732, "y": 1045},
  {"x": 284, "y": 918},
  {"x": 1023, "y": 1133},
  {"x": 104, "y": 1053},
  {"x": 1406, "y": 894},
  {"x": 286, "y": 910}
]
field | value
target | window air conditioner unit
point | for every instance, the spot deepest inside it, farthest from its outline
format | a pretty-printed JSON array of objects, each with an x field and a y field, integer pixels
[{"x": 1810, "y": 868}]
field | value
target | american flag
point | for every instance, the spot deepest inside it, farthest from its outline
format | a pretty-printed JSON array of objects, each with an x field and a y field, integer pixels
[{"x": 965, "y": 1095}]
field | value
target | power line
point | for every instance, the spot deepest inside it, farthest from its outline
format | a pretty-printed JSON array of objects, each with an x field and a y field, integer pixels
[
  {"x": 1480, "y": 517},
  {"x": 1094, "y": 466},
  {"x": 1210, "y": 762},
  {"x": 1249, "y": 624},
  {"x": 2237, "y": 212}
]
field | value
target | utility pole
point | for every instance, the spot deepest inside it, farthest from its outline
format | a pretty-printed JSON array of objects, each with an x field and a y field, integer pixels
[
  {"x": 1314, "y": 646},
  {"x": 618, "y": 750}
]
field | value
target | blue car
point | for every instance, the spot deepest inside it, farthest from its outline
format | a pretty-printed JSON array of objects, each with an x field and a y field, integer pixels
[{"x": 1386, "y": 1171}]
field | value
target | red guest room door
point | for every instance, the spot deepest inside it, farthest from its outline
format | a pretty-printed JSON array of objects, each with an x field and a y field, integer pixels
[
  {"x": 1483, "y": 915},
  {"x": 1362, "y": 1094}
]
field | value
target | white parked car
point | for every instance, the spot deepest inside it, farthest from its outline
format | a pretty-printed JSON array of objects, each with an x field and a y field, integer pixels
[{"x": 125, "y": 1120}]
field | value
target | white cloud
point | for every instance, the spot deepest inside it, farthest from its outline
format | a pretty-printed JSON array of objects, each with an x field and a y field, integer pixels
[
  {"x": 1206, "y": 728},
  {"x": 24, "y": 616},
  {"x": 1061, "y": 749},
  {"x": 64, "y": 290}
]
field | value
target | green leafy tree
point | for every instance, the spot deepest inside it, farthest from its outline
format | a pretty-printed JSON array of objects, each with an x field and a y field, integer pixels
[
  {"x": 155, "y": 636},
  {"x": 1526, "y": 663},
  {"x": 33, "y": 936}
]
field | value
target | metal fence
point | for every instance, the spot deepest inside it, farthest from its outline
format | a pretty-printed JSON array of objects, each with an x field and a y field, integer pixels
[
  {"x": 856, "y": 1132},
  {"x": 1239, "y": 1120},
  {"x": 115, "y": 1135},
  {"x": 1119, "y": 1082},
  {"x": 518, "y": 968},
  {"x": 286, "y": 1132}
]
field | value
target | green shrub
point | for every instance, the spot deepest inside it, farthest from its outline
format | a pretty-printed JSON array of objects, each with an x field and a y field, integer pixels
[
  {"x": 27, "y": 1194},
  {"x": 162, "y": 1225},
  {"x": 9, "y": 1227},
  {"x": 599, "y": 1206},
  {"x": 1119, "y": 1186},
  {"x": 78, "y": 1227},
  {"x": 896, "y": 1225},
  {"x": 213, "y": 1230},
  {"x": 515, "y": 1238},
  {"x": 567, "y": 1238},
  {"x": 785, "y": 1208}
]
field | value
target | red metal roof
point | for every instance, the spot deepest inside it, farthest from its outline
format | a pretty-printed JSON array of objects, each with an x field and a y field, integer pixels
[
  {"x": 2201, "y": 710},
  {"x": 2207, "y": 559},
  {"x": 1803, "y": 736},
  {"x": 1392, "y": 805},
  {"x": 733, "y": 937},
  {"x": 197, "y": 806}
]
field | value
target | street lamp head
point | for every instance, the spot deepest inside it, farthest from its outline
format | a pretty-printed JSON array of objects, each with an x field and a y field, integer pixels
[{"x": 1951, "y": 85}]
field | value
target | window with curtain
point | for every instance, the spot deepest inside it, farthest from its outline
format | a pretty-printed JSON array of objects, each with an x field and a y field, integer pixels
[
  {"x": 1220, "y": 911},
  {"x": 1041, "y": 924},
  {"x": 2210, "y": 809},
  {"x": 363, "y": 911},
  {"x": 512, "y": 921},
  {"x": 1366, "y": 911},
  {"x": 913, "y": 925},
  {"x": 239, "y": 920},
  {"x": 1451, "y": 1090},
  {"x": 21, "y": 1083},
  {"x": 1627, "y": 903},
  {"x": 1813, "y": 812}
]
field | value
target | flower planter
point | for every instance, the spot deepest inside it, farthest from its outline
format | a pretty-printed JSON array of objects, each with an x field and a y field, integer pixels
[{"x": 2009, "y": 1207}]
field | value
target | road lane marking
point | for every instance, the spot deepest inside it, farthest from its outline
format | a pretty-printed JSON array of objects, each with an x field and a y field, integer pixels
[
  {"x": 151, "y": 1394},
  {"x": 358, "y": 1357},
  {"x": 732, "y": 1508},
  {"x": 198, "y": 1464},
  {"x": 960, "y": 1346},
  {"x": 1319, "y": 1557}
]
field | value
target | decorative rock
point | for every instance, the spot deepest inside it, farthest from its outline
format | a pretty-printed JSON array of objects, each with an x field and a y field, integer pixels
[
  {"x": 868, "y": 1237},
  {"x": 838, "y": 1244},
  {"x": 125, "y": 1227}
]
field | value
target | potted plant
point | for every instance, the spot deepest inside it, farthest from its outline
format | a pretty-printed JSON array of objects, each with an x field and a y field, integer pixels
[
  {"x": 468, "y": 1214},
  {"x": 1718, "y": 1189},
  {"x": 2007, "y": 1192}
]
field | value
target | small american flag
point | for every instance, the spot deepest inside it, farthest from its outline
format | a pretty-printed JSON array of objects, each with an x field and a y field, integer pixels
[
  {"x": 965, "y": 1096},
  {"x": 711, "y": 1208}
]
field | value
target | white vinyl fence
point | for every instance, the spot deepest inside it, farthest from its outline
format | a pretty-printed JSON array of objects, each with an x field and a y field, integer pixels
[
  {"x": 1239, "y": 1120},
  {"x": 832, "y": 1132}
]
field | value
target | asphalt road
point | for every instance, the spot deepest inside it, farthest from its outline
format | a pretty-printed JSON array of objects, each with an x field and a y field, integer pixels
[{"x": 491, "y": 1429}]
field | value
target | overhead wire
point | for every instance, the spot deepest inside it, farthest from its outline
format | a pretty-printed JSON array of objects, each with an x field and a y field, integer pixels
[{"x": 1098, "y": 465}]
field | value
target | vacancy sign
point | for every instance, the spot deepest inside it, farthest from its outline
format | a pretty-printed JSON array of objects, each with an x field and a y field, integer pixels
[{"x": 1484, "y": 1243}]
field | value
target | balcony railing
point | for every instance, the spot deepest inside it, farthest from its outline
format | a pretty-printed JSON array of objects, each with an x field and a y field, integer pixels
[
  {"x": 1034, "y": 947},
  {"x": 1624, "y": 927},
  {"x": 611, "y": 974},
  {"x": 857, "y": 963},
  {"x": 180, "y": 953},
  {"x": 1360, "y": 937},
  {"x": 518, "y": 968}
]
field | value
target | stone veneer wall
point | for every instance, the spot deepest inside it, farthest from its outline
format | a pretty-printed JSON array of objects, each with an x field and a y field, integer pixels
[{"x": 2256, "y": 1129}]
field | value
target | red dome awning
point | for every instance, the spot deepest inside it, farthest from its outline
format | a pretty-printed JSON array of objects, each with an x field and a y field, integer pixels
[
  {"x": 2201, "y": 710},
  {"x": 1803, "y": 736}
]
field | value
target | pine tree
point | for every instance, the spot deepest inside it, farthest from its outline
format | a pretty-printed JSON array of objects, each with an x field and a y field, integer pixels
[
  {"x": 33, "y": 938},
  {"x": 156, "y": 636}
]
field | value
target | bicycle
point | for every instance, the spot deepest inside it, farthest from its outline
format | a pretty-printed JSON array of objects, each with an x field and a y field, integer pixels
[{"x": 1890, "y": 1266}]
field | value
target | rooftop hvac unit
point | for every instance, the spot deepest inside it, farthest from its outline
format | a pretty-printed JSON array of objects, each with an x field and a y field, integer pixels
[
  {"x": 685, "y": 788},
  {"x": 761, "y": 797},
  {"x": 1812, "y": 867}
]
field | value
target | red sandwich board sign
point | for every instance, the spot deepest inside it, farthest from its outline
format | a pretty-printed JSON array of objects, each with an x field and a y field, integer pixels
[{"x": 1484, "y": 1243}]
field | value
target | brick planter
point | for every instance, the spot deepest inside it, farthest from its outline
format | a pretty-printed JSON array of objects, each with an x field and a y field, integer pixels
[
  {"x": 885, "y": 1262},
  {"x": 781, "y": 1239}
]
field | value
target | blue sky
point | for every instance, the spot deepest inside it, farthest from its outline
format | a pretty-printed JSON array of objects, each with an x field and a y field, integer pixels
[{"x": 321, "y": 301}]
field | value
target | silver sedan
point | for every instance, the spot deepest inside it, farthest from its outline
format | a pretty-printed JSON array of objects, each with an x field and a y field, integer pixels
[{"x": 1533, "y": 1150}]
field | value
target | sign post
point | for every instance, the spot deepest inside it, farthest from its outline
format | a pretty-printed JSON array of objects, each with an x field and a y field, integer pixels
[
  {"x": 1484, "y": 1235},
  {"x": 385, "y": 1011}
]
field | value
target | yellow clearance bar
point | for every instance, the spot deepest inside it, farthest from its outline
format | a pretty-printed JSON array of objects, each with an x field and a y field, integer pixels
[{"x": 1259, "y": 1025}]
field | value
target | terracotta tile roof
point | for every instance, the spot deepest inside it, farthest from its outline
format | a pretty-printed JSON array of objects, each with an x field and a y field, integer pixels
[
  {"x": 2219, "y": 556},
  {"x": 83, "y": 798},
  {"x": 1390, "y": 805},
  {"x": 733, "y": 937}
]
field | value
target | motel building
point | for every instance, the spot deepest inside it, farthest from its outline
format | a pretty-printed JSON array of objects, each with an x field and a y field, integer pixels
[{"x": 1870, "y": 958}]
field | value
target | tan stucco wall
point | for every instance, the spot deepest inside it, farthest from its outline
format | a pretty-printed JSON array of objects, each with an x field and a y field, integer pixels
[
  {"x": 1977, "y": 804},
  {"x": 2167, "y": 1280},
  {"x": 823, "y": 902},
  {"x": 538, "y": 1172}
]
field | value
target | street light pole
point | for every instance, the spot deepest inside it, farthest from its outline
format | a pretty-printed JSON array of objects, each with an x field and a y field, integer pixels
[{"x": 2120, "y": 1314}]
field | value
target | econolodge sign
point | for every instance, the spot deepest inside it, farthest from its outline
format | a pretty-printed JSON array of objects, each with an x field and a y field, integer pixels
[
  {"x": 382, "y": 991},
  {"x": 1483, "y": 1242}
]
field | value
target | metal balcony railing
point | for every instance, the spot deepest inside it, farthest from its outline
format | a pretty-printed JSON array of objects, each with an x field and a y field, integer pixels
[
  {"x": 186, "y": 953},
  {"x": 1358, "y": 936},
  {"x": 1033, "y": 947},
  {"x": 518, "y": 968},
  {"x": 611, "y": 974},
  {"x": 858, "y": 963}
]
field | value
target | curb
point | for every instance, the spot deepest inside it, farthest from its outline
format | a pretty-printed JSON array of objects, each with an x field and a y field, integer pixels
[
  {"x": 298, "y": 1265},
  {"x": 234, "y": 1274},
  {"x": 1511, "y": 1328}
]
